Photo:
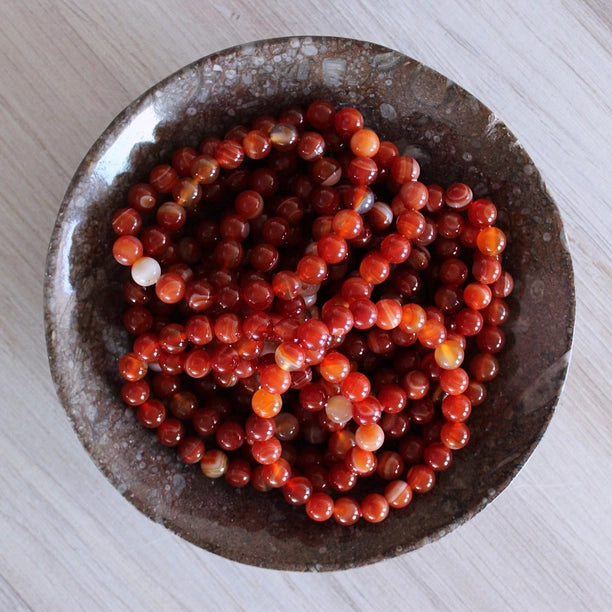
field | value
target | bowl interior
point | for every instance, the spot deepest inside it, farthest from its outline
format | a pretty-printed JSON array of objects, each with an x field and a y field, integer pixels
[{"x": 455, "y": 138}]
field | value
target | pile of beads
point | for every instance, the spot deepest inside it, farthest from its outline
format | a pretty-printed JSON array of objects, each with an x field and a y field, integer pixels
[{"x": 301, "y": 306}]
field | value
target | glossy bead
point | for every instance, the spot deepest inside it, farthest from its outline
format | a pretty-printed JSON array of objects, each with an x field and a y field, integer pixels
[
  {"x": 454, "y": 381},
  {"x": 346, "y": 511},
  {"x": 135, "y": 393},
  {"x": 311, "y": 269},
  {"x": 319, "y": 507},
  {"x": 484, "y": 367},
  {"x": 390, "y": 465},
  {"x": 266, "y": 404},
  {"x": 230, "y": 435},
  {"x": 238, "y": 472},
  {"x": 182, "y": 159},
  {"x": 454, "y": 435},
  {"x": 214, "y": 463},
  {"x": 367, "y": 411},
  {"x": 413, "y": 318},
  {"x": 482, "y": 213},
  {"x": 421, "y": 478},
  {"x": 365, "y": 313},
  {"x": 491, "y": 241},
  {"x": 438, "y": 456},
  {"x": 374, "y": 508},
  {"x": 339, "y": 409},
  {"x": 170, "y": 432},
  {"x": 320, "y": 114},
  {"x": 410, "y": 224},
  {"x": 274, "y": 379},
  {"x": 347, "y": 121},
  {"x": 364, "y": 142},
  {"x": 398, "y": 494},
  {"x": 431, "y": 334},
  {"x": 392, "y": 398},
  {"x": 190, "y": 449},
  {"x": 355, "y": 387},
  {"x": 374, "y": 268},
  {"x": 256, "y": 144},
  {"x": 297, "y": 490},
  {"x": 449, "y": 355},
  {"x": 456, "y": 408},
  {"x": 362, "y": 171},
  {"x": 468, "y": 321},
  {"x": 341, "y": 478},
  {"x": 458, "y": 196},
  {"x": 496, "y": 313},
  {"x": 335, "y": 367},
  {"x": 311, "y": 146},
  {"x": 332, "y": 249},
  {"x": 347, "y": 224},
  {"x": 162, "y": 178},
  {"x": 491, "y": 339},
  {"x": 369, "y": 437},
  {"x": 503, "y": 286},
  {"x": 325, "y": 171},
  {"x": 131, "y": 367},
  {"x": 283, "y": 136},
  {"x": 405, "y": 169},
  {"x": 126, "y": 221},
  {"x": 266, "y": 451},
  {"x": 229, "y": 154},
  {"x": 170, "y": 288},
  {"x": 151, "y": 413},
  {"x": 142, "y": 197},
  {"x": 289, "y": 356},
  {"x": 264, "y": 257},
  {"x": 127, "y": 250},
  {"x": 395, "y": 248},
  {"x": 389, "y": 313},
  {"x": 486, "y": 269},
  {"x": 362, "y": 462},
  {"x": 413, "y": 195},
  {"x": 277, "y": 473}
]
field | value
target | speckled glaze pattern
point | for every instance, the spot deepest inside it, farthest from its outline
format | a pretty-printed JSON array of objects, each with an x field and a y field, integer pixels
[{"x": 454, "y": 137}]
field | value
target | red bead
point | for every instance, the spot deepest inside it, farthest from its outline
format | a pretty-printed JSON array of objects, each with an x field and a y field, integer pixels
[
  {"x": 346, "y": 511},
  {"x": 421, "y": 478},
  {"x": 374, "y": 508},
  {"x": 319, "y": 506}
]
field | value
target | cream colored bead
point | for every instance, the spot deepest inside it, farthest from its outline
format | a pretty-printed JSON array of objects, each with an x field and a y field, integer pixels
[{"x": 146, "y": 271}]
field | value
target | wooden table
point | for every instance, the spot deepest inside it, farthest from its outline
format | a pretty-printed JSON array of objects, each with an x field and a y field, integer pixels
[{"x": 69, "y": 541}]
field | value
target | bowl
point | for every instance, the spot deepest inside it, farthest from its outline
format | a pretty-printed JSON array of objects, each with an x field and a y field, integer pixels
[{"x": 455, "y": 138}]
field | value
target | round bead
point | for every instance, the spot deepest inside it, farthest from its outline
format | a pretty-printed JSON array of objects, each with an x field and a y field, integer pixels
[
  {"x": 374, "y": 508},
  {"x": 146, "y": 271}
]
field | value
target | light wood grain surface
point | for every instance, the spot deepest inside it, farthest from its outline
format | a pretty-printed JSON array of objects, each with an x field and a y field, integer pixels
[{"x": 68, "y": 540}]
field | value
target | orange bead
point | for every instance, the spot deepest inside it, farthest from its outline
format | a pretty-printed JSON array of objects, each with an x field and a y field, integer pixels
[
  {"x": 421, "y": 478},
  {"x": 170, "y": 288},
  {"x": 365, "y": 143},
  {"x": 398, "y": 493},
  {"x": 290, "y": 357},
  {"x": 346, "y": 511},
  {"x": 374, "y": 508},
  {"x": 335, "y": 367},
  {"x": 454, "y": 435},
  {"x": 266, "y": 404},
  {"x": 449, "y": 355},
  {"x": 389, "y": 313},
  {"x": 369, "y": 437},
  {"x": 456, "y": 408},
  {"x": 491, "y": 241},
  {"x": 132, "y": 367},
  {"x": 320, "y": 507},
  {"x": 127, "y": 250},
  {"x": 374, "y": 268}
]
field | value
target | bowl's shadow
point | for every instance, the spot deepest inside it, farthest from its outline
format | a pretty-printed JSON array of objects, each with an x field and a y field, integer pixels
[{"x": 455, "y": 138}]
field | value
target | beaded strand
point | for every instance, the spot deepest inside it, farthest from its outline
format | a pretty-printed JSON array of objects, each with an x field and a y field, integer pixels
[{"x": 300, "y": 324}]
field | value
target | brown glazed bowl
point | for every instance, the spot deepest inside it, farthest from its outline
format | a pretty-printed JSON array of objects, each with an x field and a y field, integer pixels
[{"x": 455, "y": 138}]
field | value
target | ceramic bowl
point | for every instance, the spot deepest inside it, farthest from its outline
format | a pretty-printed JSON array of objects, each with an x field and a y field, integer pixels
[{"x": 455, "y": 138}]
